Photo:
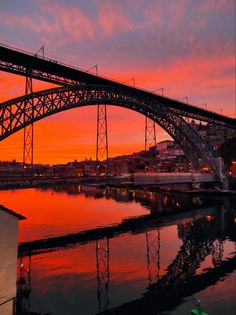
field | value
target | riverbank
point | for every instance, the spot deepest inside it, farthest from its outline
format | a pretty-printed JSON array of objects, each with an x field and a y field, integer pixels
[{"x": 96, "y": 182}]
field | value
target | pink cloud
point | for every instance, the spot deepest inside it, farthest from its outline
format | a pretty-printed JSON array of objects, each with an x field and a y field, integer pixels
[
  {"x": 217, "y": 5},
  {"x": 72, "y": 20},
  {"x": 157, "y": 13},
  {"x": 152, "y": 13},
  {"x": 177, "y": 11},
  {"x": 55, "y": 21},
  {"x": 64, "y": 22},
  {"x": 112, "y": 18}
]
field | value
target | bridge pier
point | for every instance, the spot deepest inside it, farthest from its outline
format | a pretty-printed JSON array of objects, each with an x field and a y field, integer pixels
[
  {"x": 102, "y": 138},
  {"x": 150, "y": 141},
  {"x": 28, "y": 149},
  {"x": 220, "y": 170}
]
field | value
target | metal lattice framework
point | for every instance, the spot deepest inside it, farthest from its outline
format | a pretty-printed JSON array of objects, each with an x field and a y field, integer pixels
[
  {"x": 14, "y": 116},
  {"x": 150, "y": 139},
  {"x": 37, "y": 73},
  {"x": 18, "y": 62},
  {"x": 29, "y": 129},
  {"x": 102, "y": 139},
  {"x": 153, "y": 255},
  {"x": 103, "y": 273},
  {"x": 24, "y": 284}
]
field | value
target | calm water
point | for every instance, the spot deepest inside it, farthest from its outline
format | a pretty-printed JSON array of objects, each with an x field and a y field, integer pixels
[{"x": 111, "y": 252}]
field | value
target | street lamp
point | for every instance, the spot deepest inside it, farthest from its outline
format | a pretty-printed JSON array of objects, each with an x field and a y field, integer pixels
[
  {"x": 205, "y": 105},
  {"x": 93, "y": 67},
  {"x": 131, "y": 79},
  {"x": 186, "y": 97},
  {"x": 162, "y": 91}
]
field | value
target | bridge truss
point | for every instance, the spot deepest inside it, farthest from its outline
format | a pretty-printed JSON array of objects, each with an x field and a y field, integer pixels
[
  {"x": 81, "y": 88},
  {"x": 15, "y": 116}
]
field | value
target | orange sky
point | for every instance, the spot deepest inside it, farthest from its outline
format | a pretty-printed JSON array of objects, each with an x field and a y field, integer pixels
[{"x": 187, "y": 49}]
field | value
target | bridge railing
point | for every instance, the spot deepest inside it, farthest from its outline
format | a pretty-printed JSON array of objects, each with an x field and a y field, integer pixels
[{"x": 62, "y": 62}]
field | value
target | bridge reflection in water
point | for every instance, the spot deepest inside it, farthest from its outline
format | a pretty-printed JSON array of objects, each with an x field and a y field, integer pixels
[{"x": 201, "y": 232}]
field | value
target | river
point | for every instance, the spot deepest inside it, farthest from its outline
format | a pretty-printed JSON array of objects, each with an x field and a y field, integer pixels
[{"x": 88, "y": 251}]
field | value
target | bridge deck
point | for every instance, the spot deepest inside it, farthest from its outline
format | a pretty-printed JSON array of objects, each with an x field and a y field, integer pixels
[
  {"x": 172, "y": 178},
  {"x": 52, "y": 71}
]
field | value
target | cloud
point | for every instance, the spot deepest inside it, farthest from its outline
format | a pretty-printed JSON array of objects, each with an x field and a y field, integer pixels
[
  {"x": 52, "y": 21},
  {"x": 217, "y": 5},
  {"x": 112, "y": 19},
  {"x": 70, "y": 19}
]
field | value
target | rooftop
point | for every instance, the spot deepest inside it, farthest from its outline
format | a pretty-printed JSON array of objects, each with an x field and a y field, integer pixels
[{"x": 19, "y": 216}]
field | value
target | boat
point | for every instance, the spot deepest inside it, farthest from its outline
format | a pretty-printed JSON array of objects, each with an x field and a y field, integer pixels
[{"x": 198, "y": 310}]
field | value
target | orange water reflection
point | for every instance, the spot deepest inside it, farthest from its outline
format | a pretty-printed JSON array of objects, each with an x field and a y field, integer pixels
[
  {"x": 48, "y": 214},
  {"x": 101, "y": 274}
]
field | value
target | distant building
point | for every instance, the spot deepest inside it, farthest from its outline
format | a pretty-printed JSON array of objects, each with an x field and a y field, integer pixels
[
  {"x": 170, "y": 157},
  {"x": 214, "y": 135},
  {"x": 217, "y": 135}
]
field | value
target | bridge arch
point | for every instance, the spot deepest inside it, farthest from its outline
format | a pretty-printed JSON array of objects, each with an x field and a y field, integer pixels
[{"x": 17, "y": 113}]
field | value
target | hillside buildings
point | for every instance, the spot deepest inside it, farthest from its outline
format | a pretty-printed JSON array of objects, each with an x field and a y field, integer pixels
[{"x": 167, "y": 156}]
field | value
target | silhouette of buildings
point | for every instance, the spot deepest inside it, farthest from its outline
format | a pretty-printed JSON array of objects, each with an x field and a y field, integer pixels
[{"x": 167, "y": 156}]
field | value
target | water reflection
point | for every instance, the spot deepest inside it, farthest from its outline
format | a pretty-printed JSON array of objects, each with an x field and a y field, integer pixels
[
  {"x": 153, "y": 255},
  {"x": 103, "y": 272},
  {"x": 201, "y": 238},
  {"x": 203, "y": 234},
  {"x": 24, "y": 285},
  {"x": 156, "y": 202}
]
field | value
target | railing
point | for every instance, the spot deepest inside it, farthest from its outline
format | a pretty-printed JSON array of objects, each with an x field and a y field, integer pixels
[{"x": 64, "y": 63}]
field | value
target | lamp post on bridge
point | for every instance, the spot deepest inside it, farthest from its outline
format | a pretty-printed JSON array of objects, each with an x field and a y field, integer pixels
[
  {"x": 162, "y": 91},
  {"x": 205, "y": 105},
  {"x": 93, "y": 67},
  {"x": 186, "y": 98},
  {"x": 131, "y": 79}
]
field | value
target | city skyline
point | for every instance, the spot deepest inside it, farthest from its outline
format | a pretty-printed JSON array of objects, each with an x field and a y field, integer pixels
[{"x": 145, "y": 40}]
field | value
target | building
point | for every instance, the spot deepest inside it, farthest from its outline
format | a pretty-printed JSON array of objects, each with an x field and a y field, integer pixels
[
  {"x": 8, "y": 262},
  {"x": 170, "y": 157},
  {"x": 214, "y": 135}
]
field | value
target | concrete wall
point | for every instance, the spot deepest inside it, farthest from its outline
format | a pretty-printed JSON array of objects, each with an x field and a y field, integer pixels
[
  {"x": 172, "y": 178},
  {"x": 8, "y": 260}
]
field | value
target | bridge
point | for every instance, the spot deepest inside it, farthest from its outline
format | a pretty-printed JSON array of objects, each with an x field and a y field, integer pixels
[
  {"x": 199, "y": 237},
  {"x": 79, "y": 88}
]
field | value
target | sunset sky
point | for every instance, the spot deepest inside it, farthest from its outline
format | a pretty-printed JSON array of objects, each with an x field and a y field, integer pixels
[{"x": 186, "y": 47}]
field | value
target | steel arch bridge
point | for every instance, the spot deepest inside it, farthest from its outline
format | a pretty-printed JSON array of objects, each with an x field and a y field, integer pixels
[
  {"x": 14, "y": 115},
  {"x": 81, "y": 88}
]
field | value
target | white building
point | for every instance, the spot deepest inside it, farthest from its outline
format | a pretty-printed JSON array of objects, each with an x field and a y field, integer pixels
[{"x": 8, "y": 259}]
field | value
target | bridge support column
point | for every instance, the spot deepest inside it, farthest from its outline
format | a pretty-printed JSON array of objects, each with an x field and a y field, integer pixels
[
  {"x": 153, "y": 255},
  {"x": 29, "y": 130},
  {"x": 103, "y": 273},
  {"x": 150, "y": 141},
  {"x": 102, "y": 139},
  {"x": 222, "y": 176},
  {"x": 24, "y": 285}
]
